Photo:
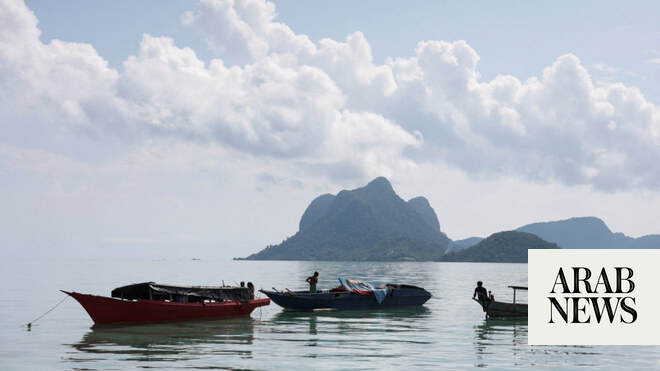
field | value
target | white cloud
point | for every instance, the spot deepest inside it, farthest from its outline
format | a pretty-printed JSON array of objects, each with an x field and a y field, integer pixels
[
  {"x": 244, "y": 30},
  {"x": 69, "y": 81},
  {"x": 601, "y": 67},
  {"x": 325, "y": 108}
]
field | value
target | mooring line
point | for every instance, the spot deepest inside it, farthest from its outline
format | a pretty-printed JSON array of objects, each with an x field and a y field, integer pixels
[{"x": 29, "y": 325}]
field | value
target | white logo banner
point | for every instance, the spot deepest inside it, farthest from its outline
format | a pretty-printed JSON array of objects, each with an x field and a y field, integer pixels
[{"x": 594, "y": 297}]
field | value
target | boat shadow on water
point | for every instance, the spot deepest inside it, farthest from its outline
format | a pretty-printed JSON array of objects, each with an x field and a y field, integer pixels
[
  {"x": 493, "y": 334},
  {"x": 504, "y": 330},
  {"x": 166, "y": 341},
  {"x": 347, "y": 322},
  {"x": 402, "y": 313}
]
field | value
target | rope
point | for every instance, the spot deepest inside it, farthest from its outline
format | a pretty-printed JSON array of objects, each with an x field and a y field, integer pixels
[{"x": 29, "y": 325}]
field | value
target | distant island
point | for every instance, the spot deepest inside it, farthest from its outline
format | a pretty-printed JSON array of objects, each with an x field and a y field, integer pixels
[
  {"x": 502, "y": 247},
  {"x": 370, "y": 223},
  {"x": 588, "y": 233},
  {"x": 373, "y": 223}
]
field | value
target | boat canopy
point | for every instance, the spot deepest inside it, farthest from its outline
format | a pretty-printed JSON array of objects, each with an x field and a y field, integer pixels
[{"x": 150, "y": 290}]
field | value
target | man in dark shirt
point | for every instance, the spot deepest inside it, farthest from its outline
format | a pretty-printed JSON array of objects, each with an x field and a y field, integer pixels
[{"x": 480, "y": 292}]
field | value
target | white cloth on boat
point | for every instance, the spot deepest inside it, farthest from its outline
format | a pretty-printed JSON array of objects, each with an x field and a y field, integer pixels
[{"x": 365, "y": 289}]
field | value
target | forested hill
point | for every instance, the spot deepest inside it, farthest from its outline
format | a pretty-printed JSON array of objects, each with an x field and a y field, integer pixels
[
  {"x": 502, "y": 247},
  {"x": 588, "y": 233},
  {"x": 371, "y": 223}
]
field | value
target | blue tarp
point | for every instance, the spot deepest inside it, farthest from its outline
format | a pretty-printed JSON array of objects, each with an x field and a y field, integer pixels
[{"x": 364, "y": 289}]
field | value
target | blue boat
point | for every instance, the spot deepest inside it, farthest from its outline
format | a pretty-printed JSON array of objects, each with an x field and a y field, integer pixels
[{"x": 351, "y": 295}]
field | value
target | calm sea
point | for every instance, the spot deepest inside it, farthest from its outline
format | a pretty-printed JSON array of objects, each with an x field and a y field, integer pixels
[{"x": 449, "y": 332}]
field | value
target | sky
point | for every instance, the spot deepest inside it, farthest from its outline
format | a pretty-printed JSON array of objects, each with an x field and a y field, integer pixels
[{"x": 204, "y": 129}]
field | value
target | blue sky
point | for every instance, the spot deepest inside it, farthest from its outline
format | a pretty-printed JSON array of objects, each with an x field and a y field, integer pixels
[
  {"x": 205, "y": 129},
  {"x": 616, "y": 39}
]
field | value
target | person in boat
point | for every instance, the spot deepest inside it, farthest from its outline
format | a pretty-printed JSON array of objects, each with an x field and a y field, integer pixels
[
  {"x": 480, "y": 292},
  {"x": 251, "y": 288},
  {"x": 313, "y": 280}
]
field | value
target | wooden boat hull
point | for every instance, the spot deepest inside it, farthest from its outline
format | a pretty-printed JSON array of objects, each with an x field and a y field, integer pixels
[
  {"x": 110, "y": 310},
  {"x": 344, "y": 300},
  {"x": 503, "y": 310}
]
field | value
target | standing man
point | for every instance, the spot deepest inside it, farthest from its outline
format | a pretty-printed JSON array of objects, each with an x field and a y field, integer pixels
[
  {"x": 313, "y": 280},
  {"x": 480, "y": 292}
]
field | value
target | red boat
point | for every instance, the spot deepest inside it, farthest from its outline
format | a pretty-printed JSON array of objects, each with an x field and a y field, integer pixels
[{"x": 149, "y": 301}]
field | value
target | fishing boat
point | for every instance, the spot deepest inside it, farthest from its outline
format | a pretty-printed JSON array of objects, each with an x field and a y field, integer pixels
[
  {"x": 150, "y": 301},
  {"x": 501, "y": 309},
  {"x": 351, "y": 295}
]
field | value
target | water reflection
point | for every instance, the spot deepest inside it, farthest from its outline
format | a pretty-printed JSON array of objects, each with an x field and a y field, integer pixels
[
  {"x": 166, "y": 341},
  {"x": 312, "y": 325},
  {"x": 390, "y": 312},
  {"x": 499, "y": 341},
  {"x": 403, "y": 313},
  {"x": 346, "y": 337},
  {"x": 507, "y": 330},
  {"x": 350, "y": 322},
  {"x": 494, "y": 334}
]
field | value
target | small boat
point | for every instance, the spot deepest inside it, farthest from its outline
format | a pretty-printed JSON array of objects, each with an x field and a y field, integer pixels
[
  {"x": 150, "y": 301},
  {"x": 501, "y": 309},
  {"x": 351, "y": 295}
]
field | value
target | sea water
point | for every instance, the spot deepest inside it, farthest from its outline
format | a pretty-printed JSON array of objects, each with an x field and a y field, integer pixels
[{"x": 449, "y": 332}]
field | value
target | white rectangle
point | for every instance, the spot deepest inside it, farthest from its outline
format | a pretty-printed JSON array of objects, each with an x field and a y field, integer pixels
[{"x": 634, "y": 318}]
